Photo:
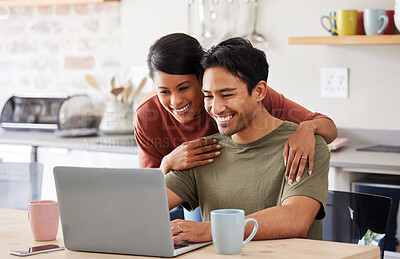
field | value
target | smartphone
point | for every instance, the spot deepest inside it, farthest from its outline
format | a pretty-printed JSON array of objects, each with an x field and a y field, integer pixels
[{"x": 36, "y": 250}]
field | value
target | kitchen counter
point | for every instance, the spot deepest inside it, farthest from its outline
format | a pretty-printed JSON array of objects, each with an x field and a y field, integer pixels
[
  {"x": 349, "y": 165},
  {"x": 103, "y": 143},
  {"x": 349, "y": 159},
  {"x": 346, "y": 157}
]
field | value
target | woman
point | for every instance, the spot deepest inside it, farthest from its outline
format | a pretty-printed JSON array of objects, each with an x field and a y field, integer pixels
[{"x": 170, "y": 122}]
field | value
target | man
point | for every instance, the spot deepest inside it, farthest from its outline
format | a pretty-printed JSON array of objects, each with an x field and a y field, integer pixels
[{"x": 249, "y": 174}]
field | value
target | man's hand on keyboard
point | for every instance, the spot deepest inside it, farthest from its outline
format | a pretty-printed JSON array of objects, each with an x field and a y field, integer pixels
[{"x": 191, "y": 231}]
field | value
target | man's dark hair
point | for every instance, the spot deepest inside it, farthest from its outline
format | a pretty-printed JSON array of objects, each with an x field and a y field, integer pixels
[
  {"x": 177, "y": 54},
  {"x": 241, "y": 59}
]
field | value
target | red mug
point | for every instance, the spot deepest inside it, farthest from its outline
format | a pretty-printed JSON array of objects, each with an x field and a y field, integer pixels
[
  {"x": 360, "y": 24},
  {"x": 44, "y": 218},
  {"x": 390, "y": 29}
]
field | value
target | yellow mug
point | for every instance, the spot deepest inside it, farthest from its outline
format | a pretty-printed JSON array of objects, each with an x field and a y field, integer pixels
[{"x": 346, "y": 22}]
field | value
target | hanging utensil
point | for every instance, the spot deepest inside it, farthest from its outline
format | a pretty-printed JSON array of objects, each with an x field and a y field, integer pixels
[
  {"x": 212, "y": 31},
  {"x": 232, "y": 18},
  {"x": 189, "y": 4},
  {"x": 257, "y": 38},
  {"x": 205, "y": 33},
  {"x": 213, "y": 13},
  {"x": 228, "y": 28}
]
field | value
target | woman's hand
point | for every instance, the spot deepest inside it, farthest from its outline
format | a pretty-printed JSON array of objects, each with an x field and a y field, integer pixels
[
  {"x": 191, "y": 231},
  {"x": 299, "y": 149},
  {"x": 191, "y": 154}
]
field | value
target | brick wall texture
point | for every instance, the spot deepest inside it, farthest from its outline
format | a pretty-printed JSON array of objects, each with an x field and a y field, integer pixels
[{"x": 49, "y": 50}]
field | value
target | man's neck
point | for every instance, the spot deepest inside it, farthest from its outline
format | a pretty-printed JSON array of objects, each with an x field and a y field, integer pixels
[{"x": 262, "y": 124}]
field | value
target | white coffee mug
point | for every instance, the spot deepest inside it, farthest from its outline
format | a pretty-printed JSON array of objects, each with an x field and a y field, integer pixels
[
  {"x": 375, "y": 21},
  {"x": 227, "y": 229}
]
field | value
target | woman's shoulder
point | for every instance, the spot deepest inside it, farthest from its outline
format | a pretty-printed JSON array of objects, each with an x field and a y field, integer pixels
[
  {"x": 149, "y": 100},
  {"x": 149, "y": 106},
  {"x": 149, "y": 111}
]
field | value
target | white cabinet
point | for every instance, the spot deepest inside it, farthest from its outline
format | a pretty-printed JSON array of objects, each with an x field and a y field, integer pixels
[{"x": 51, "y": 157}]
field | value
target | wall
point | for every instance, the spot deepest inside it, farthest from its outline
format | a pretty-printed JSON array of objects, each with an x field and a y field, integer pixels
[
  {"x": 48, "y": 50},
  {"x": 374, "y": 85}
]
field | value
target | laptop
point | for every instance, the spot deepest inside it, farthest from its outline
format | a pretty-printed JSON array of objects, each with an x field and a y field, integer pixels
[{"x": 121, "y": 211}]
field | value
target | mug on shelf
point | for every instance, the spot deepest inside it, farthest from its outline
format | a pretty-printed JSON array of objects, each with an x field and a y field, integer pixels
[
  {"x": 390, "y": 29},
  {"x": 346, "y": 22},
  {"x": 360, "y": 24},
  {"x": 333, "y": 21},
  {"x": 375, "y": 21}
]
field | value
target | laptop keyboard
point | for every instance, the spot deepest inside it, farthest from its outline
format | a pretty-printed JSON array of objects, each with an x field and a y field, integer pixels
[{"x": 179, "y": 246}]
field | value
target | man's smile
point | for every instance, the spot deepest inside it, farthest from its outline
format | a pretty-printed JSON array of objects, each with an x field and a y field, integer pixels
[{"x": 223, "y": 120}]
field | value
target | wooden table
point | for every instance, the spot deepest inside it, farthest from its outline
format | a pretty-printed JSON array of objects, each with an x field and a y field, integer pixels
[{"x": 15, "y": 233}]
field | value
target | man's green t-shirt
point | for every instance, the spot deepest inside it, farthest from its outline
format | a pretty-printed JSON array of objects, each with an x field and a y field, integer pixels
[{"x": 251, "y": 177}]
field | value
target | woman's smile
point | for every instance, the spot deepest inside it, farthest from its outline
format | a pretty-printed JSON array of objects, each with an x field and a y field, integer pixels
[{"x": 183, "y": 110}]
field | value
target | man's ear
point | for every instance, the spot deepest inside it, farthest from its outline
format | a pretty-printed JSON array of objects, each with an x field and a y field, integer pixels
[{"x": 260, "y": 91}]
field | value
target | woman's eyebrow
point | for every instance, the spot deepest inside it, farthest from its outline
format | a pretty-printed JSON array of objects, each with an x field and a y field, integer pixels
[{"x": 181, "y": 83}]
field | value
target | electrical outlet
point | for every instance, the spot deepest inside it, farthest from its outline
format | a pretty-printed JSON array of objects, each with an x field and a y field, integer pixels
[{"x": 334, "y": 82}]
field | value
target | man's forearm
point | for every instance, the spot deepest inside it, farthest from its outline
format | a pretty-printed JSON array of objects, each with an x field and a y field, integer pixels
[
  {"x": 285, "y": 221},
  {"x": 274, "y": 223},
  {"x": 292, "y": 219},
  {"x": 322, "y": 126}
]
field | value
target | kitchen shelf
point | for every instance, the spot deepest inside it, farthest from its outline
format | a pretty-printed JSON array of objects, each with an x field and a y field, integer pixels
[
  {"x": 19, "y": 3},
  {"x": 347, "y": 40}
]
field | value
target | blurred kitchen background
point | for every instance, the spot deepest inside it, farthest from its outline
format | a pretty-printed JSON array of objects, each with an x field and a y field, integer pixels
[{"x": 49, "y": 50}]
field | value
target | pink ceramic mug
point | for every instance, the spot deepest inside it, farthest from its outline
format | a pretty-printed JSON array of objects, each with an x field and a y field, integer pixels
[{"x": 43, "y": 216}]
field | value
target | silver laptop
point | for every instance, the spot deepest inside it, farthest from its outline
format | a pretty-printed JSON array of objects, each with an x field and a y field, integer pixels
[{"x": 122, "y": 211}]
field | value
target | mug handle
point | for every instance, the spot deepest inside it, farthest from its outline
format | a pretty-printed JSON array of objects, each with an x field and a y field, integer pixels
[
  {"x": 385, "y": 23},
  {"x": 332, "y": 27},
  {"x": 322, "y": 23},
  {"x": 253, "y": 233}
]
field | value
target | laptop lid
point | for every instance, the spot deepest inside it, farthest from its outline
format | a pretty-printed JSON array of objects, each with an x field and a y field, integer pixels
[{"x": 122, "y": 211}]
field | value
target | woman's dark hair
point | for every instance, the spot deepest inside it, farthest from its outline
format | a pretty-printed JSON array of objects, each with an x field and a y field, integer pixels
[
  {"x": 241, "y": 59},
  {"x": 177, "y": 54}
]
